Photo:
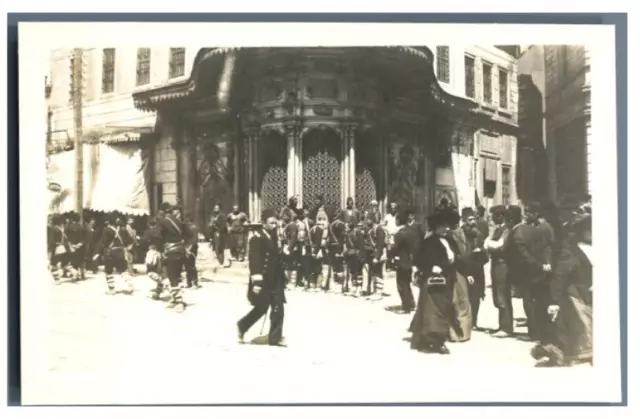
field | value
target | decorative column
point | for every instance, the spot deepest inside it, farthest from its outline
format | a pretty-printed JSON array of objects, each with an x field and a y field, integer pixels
[
  {"x": 257, "y": 165},
  {"x": 349, "y": 163},
  {"x": 185, "y": 146},
  {"x": 237, "y": 147},
  {"x": 352, "y": 163},
  {"x": 252, "y": 168},
  {"x": 294, "y": 173}
]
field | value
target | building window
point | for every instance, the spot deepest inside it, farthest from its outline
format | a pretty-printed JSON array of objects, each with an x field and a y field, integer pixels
[
  {"x": 504, "y": 87},
  {"x": 490, "y": 177},
  {"x": 143, "y": 66},
  {"x": 442, "y": 64},
  {"x": 487, "y": 85},
  {"x": 506, "y": 185},
  {"x": 470, "y": 76},
  {"x": 108, "y": 69},
  {"x": 176, "y": 62}
]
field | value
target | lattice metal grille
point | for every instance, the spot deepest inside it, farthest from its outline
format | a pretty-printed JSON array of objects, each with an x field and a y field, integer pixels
[
  {"x": 321, "y": 169},
  {"x": 368, "y": 168},
  {"x": 272, "y": 158},
  {"x": 365, "y": 188}
]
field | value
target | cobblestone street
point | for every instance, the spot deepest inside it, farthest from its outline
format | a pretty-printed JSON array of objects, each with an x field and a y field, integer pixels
[{"x": 132, "y": 349}]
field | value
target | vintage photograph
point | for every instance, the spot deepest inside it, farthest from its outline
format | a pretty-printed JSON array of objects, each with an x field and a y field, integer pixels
[{"x": 222, "y": 213}]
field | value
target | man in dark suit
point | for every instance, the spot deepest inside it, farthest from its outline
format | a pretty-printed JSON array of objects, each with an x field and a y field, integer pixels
[
  {"x": 532, "y": 254},
  {"x": 405, "y": 243},
  {"x": 418, "y": 227},
  {"x": 481, "y": 222},
  {"x": 218, "y": 233},
  {"x": 476, "y": 259},
  {"x": 266, "y": 281}
]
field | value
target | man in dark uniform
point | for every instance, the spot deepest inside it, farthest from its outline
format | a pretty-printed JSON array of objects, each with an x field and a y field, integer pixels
[
  {"x": 304, "y": 241},
  {"x": 355, "y": 256},
  {"x": 172, "y": 230},
  {"x": 219, "y": 235},
  {"x": 152, "y": 242},
  {"x": 412, "y": 223},
  {"x": 350, "y": 212},
  {"x": 375, "y": 249},
  {"x": 532, "y": 253},
  {"x": 236, "y": 221},
  {"x": 318, "y": 241},
  {"x": 500, "y": 285},
  {"x": 191, "y": 246},
  {"x": 336, "y": 245},
  {"x": 405, "y": 244},
  {"x": 59, "y": 244},
  {"x": 113, "y": 245},
  {"x": 90, "y": 234},
  {"x": 266, "y": 281}
]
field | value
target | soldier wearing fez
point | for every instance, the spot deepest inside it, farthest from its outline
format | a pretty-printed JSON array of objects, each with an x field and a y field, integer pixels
[{"x": 266, "y": 281}]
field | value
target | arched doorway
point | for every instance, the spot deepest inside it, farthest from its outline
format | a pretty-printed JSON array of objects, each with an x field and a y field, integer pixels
[
  {"x": 321, "y": 173},
  {"x": 272, "y": 177},
  {"x": 368, "y": 170}
]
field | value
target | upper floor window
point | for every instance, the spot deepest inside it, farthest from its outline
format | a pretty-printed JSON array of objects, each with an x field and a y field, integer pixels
[
  {"x": 143, "y": 66},
  {"x": 108, "y": 69},
  {"x": 469, "y": 76},
  {"x": 442, "y": 64},
  {"x": 487, "y": 85},
  {"x": 176, "y": 62},
  {"x": 503, "y": 81}
]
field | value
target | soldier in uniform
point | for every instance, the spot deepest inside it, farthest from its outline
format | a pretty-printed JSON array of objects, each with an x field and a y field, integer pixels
[
  {"x": 174, "y": 251},
  {"x": 191, "y": 247},
  {"x": 355, "y": 257},
  {"x": 373, "y": 209},
  {"x": 59, "y": 247},
  {"x": 336, "y": 246},
  {"x": 500, "y": 286},
  {"x": 290, "y": 247},
  {"x": 113, "y": 246},
  {"x": 350, "y": 212},
  {"x": 405, "y": 244},
  {"x": 376, "y": 254},
  {"x": 219, "y": 235},
  {"x": 152, "y": 242},
  {"x": 89, "y": 244},
  {"x": 236, "y": 221},
  {"x": 76, "y": 235},
  {"x": 266, "y": 282},
  {"x": 304, "y": 240},
  {"x": 318, "y": 258}
]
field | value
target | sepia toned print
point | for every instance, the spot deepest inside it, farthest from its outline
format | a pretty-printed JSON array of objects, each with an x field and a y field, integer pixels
[{"x": 433, "y": 201}]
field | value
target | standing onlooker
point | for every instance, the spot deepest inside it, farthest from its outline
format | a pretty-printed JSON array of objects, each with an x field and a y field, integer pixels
[
  {"x": 500, "y": 285},
  {"x": 219, "y": 235},
  {"x": 481, "y": 222},
  {"x": 474, "y": 240},
  {"x": 405, "y": 244},
  {"x": 391, "y": 227},
  {"x": 236, "y": 221}
]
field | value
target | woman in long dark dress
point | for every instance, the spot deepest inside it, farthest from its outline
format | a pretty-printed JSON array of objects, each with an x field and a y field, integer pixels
[
  {"x": 571, "y": 308},
  {"x": 436, "y": 265}
]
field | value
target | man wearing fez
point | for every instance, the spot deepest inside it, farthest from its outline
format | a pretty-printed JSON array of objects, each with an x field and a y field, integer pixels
[
  {"x": 500, "y": 285},
  {"x": 218, "y": 234},
  {"x": 474, "y": 239},
  {"x": 266, "y": 281},
  {"x": 112, "y": 246},
  {"x": 532, "y": 252},
  {"x": 405, "y": 244},
  {"x": 236, "y": 221}
]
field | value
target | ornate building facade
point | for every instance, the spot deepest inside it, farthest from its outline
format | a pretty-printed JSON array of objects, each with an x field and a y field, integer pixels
[{"x": 254, "y": 126}]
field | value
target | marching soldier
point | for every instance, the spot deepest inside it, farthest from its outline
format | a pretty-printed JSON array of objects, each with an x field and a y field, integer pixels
[
  {"x": 266, "y": 282},
  {"x": 289, "y": 246},
  {"x": 59, "y": 247},
  {"x": 376, "y": 253},
  {"x": 236, "y": 221},
  {"x": 174, "y": 251},
  {"x": 76, "y": 237},
  {"x": 219, "y": 235},
  {"x": 152, "y": 241},
  {"x": 355, "y": 256},
  {"x": 350, "y": 212},
  {"x": 191, "y": 245},
  {"x": 113, "y": 247},
  {"x": 336, "y": 246}
]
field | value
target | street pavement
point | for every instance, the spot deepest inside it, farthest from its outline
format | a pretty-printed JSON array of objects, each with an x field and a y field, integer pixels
[{"x": 131, "y": 349}]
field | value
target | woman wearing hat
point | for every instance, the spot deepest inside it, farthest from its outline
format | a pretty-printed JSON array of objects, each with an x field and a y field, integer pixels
[
  {"x": 571, "y": 307},
  {"x": 436, "y": 267}
]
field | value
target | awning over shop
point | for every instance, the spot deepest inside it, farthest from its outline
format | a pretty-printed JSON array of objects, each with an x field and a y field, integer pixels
[
  {"x": 113, "y": 179},
  {"x": 116, "y": 135}
]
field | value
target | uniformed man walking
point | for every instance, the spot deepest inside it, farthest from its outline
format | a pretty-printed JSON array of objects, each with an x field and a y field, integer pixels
[
  {"x": 174, "y": 251},
  {"x": 266, "y": 281}
]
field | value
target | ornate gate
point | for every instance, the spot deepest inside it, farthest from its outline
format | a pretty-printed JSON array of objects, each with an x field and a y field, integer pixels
[
  {"x": 367, "y": 171},
  {"x": 321, "y": 167},
  {"x": 272, "y": 157}
]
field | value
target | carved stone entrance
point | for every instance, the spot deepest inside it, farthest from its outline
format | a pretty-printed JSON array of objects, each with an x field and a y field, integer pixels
[
  {"x": 321, "y": 173},
  {"x": 273, "y": 171}
]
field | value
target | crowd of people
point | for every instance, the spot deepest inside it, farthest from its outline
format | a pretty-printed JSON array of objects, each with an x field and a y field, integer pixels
[{"x": 541, "y": 255}]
